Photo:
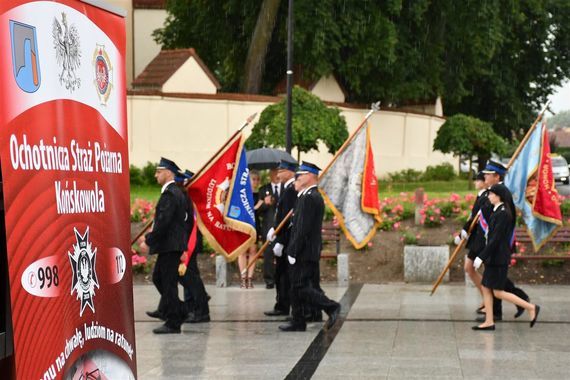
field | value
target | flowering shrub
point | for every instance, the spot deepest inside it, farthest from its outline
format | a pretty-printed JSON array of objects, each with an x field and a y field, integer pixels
[
  {"x": 142, "y": 210},
  {"x": 140, "y": 263},
  {"x": 431, "y": 215}
]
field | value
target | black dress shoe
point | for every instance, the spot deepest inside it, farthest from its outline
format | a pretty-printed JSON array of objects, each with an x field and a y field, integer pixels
[
  {"x": 520, "y": 311},
  {"x": 166, "y": 330},
  {"x": 293, "y": 327},
  {"x": 333, "y": 316},
  {"x": 314, "y": 318},
  {"x": 495, "y": 318},
  {"x": 536, "y": 311},
  {"x": 480, "y": 310},
  {"x": 198, "y": 319},
  {"x": 269, "y": 286},
  {"x": 155, "y": 314},
  {"x": 487, "y": 328},
  {"x": 275, "y": 313}
]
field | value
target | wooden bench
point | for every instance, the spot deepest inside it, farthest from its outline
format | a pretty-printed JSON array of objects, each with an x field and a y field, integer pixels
[
  {"x": 331, "y": 235},
  {"x": 561, "y": 237}
]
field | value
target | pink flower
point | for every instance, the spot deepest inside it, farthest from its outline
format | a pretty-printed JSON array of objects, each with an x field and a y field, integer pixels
[
  {"x": 369, "y": 244},
  {"x": 396, "y": 225},
  {"x": 513, "y": 262},
  {"x": 431, "y": 218}
]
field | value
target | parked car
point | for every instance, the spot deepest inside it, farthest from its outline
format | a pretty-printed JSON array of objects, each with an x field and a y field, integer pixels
[{"x": 560, "y": 169}]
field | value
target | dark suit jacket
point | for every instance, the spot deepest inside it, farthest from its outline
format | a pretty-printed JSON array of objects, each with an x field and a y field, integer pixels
[
  {"x": 286, "y": 203},
  {"x": 306, "y": 241},
  {"x": 487, "y": 210},
  {"x": 267, "y": 212},
  {"x": 476, "y": 241},
  {"x": 498, "y": 251},
  {"x": 171, "y": 228}
]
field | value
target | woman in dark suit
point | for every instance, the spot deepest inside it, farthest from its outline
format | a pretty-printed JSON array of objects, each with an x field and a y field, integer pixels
[{"x": 496, "y": 256}]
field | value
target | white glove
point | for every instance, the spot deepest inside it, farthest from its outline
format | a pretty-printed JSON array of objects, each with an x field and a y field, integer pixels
[
  {"x": 271, "y": 234},
  {"x": 278, "y": 249},
  {"x": 292, "y": 260},
  {"x": 477, "y": 263},
  {"x": 457, "y": 240},
  {"x": 464, "y": 234}
]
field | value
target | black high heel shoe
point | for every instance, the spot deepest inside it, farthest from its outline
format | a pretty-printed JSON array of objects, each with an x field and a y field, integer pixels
[{"x": 536, "y": 311}]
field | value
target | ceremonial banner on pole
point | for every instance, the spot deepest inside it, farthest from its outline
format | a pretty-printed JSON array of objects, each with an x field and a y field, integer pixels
[
  {"x": 65, "y": 177},
  {"x": 531, "y": 182},
  {"x": 350, "y": 188},
  {"x": 223, "y": 200}
]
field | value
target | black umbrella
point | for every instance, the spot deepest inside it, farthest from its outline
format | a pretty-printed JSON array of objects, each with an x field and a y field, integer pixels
[{"x": 267, "y": 158}]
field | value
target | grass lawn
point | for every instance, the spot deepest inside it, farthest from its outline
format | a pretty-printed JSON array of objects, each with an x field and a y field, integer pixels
[
  {"x": 150, "y": 193},
  {"x": 434, "y": 189}
]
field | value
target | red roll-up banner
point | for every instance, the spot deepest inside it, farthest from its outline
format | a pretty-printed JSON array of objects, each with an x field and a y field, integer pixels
[{"x": 64, "y": 161}]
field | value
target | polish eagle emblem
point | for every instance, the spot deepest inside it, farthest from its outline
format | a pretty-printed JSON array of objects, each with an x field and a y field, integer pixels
[{"x": 68, "y": 52}]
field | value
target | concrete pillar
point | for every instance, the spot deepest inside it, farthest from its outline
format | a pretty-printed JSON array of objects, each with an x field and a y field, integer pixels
[
  {"x": 221, "y": 272},
  {"x": 343, "y": 270},
  {"x": 424, "y": 264}
]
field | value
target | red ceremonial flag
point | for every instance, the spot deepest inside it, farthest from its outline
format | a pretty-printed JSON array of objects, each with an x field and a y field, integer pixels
[
  {"x": 370, "y": 202},
  {"x": 546, "y": 205},
  {"x": 218, "y": 192}
]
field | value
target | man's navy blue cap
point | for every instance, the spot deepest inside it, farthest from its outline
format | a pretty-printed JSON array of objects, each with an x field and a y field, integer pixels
[
  {"x": 287, "y": 166},
  {"x": 494, "y": 167},
  {"x": 167, "y": 164},
  {"x": 307, "y": 167},
  {"x": 181, "y": 177}
]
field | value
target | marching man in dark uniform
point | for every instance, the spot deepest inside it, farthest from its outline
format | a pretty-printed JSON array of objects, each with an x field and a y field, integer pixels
[
  {"x": 168, "y": 239},
  {"x": 304, "y": 251},
  {"x": 286, "y": 203},
  {"x": 497, "y": 255}
]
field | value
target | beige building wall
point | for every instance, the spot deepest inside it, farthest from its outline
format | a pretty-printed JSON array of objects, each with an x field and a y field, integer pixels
[
  {"x": 190, "y": 78},
  {"x": 327, "y": 89},
  {"x": 146, "y": 21},
  {"x": 190, "y": 131}
]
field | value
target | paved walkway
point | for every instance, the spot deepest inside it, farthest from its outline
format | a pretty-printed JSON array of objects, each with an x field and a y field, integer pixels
[{"x": 394, "y": 331}]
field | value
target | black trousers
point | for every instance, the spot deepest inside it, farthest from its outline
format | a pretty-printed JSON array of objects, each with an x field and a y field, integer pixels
[
  {"x": 303, "y": 292},
  {"x": 268, "y": 266},
  {"x": 282, "y": 284},
  {"x": 195, "y": 296},
  {"x": 165, "y": 278}
]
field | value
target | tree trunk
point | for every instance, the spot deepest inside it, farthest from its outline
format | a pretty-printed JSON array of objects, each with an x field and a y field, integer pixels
[
  {"x": 255, "y": 62},
  {"x": 470, "y": 174}
]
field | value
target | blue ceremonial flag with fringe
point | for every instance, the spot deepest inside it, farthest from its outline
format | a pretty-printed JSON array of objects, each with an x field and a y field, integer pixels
[{"x": 531, "y": 183}]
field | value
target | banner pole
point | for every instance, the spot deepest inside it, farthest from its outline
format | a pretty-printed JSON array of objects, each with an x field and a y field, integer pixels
[
  {"x": 245, "y": 124},
  {"x": 527, "y": 135},
  {"x": 264, "y": 246}
]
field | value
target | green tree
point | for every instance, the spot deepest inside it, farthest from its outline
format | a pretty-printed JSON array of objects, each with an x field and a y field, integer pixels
[
  {"x": 497, "y": 60},
  {"x": 467, "y": 136},
  {"x": 312, "y": 120},
  {"x": 531, "y": 58}
]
